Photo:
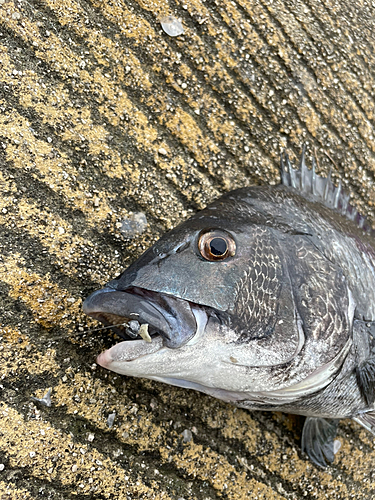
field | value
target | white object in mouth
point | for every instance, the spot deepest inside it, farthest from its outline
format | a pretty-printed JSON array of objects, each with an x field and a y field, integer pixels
[
  {"x": 130, "y": 350},
  {"x": 143, "y": 332}
]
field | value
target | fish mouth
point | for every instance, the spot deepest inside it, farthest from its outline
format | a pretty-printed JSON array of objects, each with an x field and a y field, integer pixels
[{"x": 146, "y": 320}]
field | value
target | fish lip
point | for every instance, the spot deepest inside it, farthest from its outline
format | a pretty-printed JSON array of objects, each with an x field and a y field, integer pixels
[
  {"x": 170, "y": 317},
  {"x": 129, "y": 350}
]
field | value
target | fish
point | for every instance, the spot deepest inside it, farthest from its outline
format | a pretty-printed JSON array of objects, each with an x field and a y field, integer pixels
[{"x": 264, "y": 299}]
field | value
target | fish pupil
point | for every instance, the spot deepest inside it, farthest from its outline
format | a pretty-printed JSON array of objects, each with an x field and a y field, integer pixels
[{"x": 218, "y": 246}]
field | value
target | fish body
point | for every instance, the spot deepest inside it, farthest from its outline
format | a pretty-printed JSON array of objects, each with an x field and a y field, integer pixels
[{"x": 265, "y": 299}]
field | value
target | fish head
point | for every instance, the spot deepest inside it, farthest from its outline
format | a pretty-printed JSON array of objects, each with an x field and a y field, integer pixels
[{"x": 218, "y": 300}]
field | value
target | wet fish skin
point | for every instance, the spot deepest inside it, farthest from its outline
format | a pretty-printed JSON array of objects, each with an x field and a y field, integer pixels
[{"x": 283, "y": 324}]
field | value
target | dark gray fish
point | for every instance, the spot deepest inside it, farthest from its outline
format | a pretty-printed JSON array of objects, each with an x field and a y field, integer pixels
[{"x": 265, "y": 299}]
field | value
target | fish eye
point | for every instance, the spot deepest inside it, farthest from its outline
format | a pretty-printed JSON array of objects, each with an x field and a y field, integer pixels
[{"x": 216, "y": 245}]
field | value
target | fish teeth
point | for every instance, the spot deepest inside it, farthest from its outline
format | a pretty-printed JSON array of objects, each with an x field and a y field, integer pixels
[{"x": 143, "y": 332}]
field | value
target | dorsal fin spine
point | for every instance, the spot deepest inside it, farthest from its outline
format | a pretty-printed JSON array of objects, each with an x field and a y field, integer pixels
[
  {"x": 292, "y": 172},
  {"x": 327, "y": 186},
  {"x": 284, "y": 171},
  {"x": 337, "y": 194},
  {"x": 308, "y": 183},
  {"x": 303, "y": 169},
  {"x": 313, "y": 178}
]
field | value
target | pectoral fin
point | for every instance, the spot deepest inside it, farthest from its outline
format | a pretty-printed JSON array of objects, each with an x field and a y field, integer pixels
[
  {"x": 364, "y": 342},
  {"x": 367, "y": 420},
  {"x": 318, "y": 437},
  {"x": 366, "y": 380}
]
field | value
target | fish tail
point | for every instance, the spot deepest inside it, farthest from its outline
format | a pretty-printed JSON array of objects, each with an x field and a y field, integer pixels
[{"x": 309, "y": 184}]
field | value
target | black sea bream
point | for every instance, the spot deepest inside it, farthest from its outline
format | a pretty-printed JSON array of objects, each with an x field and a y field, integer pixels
[{"x": 265, "y": 299}]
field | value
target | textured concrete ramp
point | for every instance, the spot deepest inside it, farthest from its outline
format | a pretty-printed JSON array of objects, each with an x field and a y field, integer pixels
[{"x": 102, "y": 114}]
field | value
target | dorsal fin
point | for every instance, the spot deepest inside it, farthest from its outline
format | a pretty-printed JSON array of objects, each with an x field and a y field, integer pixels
[{"x": 310, "y": 184}]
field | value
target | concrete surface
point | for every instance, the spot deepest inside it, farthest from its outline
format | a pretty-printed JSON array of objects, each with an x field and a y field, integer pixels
[{"x": 102, "y": 114}]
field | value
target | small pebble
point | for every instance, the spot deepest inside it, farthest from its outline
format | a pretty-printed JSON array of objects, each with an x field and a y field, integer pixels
[
  {"x": 134, "y": 225},
  {"x": 111, "y": 419},
  {"x": 187, "y": 435}
]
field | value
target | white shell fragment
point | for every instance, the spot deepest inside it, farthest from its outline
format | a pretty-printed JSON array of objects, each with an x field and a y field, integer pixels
[
  {"x": 45, "y": 400},
  {"x": 336, "y": 446},
  {"x": 134, "y": 225},
  {"x": 143, "y": 332},
  {"x": 171, "y": 26}
]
